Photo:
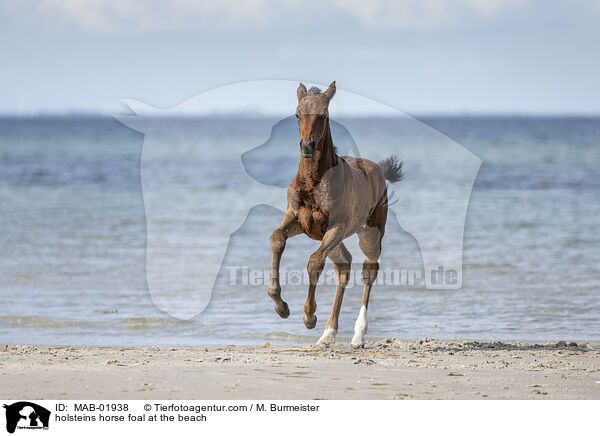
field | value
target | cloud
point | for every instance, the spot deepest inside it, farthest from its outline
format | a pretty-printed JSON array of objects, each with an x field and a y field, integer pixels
[
  {"x": 424, "y": 14},
  {"x": 139, "y": 16},
  {"x": 155, "y": 16}
]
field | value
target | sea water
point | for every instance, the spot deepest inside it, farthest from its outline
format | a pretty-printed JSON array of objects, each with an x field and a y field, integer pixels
[{"x": 73, "y": 232}]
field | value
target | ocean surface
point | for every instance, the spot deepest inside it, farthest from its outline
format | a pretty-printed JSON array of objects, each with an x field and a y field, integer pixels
[{"x": 74, "y": 230}]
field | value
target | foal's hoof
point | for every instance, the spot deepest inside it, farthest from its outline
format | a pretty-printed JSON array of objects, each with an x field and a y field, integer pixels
[
  {"x": 327, "y": 339},
  {"x": 357, "y": 343},
  {"x": 310, "y": 323},
  {"x": 282, "y": 309}
]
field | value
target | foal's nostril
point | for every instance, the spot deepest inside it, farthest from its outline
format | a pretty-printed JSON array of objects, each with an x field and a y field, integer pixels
[{"x": 308, "y": 148}]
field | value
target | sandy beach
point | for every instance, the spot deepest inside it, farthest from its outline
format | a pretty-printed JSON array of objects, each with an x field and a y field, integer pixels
[{"x": 385, "y": 369}]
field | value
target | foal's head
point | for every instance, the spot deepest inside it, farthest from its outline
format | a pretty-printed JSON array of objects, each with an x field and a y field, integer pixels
[{"x": 313, "y": 117}]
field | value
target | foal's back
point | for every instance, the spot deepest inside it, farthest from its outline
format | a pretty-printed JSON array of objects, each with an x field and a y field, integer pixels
[
  {"x": 364, "y": 191},
  {"x": 369, "y": 170}
]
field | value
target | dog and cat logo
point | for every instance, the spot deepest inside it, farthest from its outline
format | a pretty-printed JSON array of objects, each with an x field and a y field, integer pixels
[{"x": 26, "y": 415}]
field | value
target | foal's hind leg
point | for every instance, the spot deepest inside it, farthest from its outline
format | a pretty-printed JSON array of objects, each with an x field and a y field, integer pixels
[
  {"x": 342, "y": 260},
  {"x": 370, "y": 245}
]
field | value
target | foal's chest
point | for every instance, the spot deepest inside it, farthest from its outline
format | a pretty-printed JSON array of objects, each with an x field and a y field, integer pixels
[
  {"x": 312, "y": 204},
  {"x": 313, "y": 221}
]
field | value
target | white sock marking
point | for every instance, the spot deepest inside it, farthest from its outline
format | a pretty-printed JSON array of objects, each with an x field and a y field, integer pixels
[
  {"x": 328, "y": 337},
  {"x": 360, "y": 328}
]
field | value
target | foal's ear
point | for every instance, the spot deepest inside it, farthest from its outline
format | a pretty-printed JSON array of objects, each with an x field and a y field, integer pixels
[
  {"x": 330, "y": 92},
  {"x": 301, "y": 92}
]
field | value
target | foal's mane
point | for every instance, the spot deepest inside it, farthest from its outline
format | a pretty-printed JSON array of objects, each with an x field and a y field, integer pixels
[{"x": 313, "y": 91}]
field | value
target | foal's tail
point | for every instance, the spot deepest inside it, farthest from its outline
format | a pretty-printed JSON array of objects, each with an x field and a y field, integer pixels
[{"x": 392, "y": 168}]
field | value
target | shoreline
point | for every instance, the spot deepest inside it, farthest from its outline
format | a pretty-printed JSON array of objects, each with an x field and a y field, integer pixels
[{"x": 384, "y": 369}]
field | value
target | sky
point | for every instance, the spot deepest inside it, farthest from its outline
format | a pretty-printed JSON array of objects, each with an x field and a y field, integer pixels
[{"x": 422, "y": 57}]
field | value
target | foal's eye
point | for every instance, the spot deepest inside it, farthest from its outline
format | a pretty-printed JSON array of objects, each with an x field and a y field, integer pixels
[
  {"x": 322, "y": 116},
  {"x": 297, "y": 115}
]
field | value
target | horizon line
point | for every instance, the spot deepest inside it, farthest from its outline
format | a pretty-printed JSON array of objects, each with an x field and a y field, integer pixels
[{"x": 263, "y": 115}]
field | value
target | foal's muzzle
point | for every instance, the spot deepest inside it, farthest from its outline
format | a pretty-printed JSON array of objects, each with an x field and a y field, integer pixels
[{"x": 307, "y": 149}]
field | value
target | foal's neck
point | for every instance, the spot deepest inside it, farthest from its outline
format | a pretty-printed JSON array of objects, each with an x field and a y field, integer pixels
[{"x": 310, "y": 171}]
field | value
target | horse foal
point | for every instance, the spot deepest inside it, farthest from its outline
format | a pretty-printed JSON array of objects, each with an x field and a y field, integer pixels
[{"x": 331, "y": 198}]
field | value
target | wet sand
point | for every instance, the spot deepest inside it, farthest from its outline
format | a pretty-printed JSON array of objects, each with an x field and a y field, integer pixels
[{"x": 385, "y": 369}]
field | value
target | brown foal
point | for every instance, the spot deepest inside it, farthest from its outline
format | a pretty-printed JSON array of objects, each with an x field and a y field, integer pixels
[{"x": 331, "y": 198}]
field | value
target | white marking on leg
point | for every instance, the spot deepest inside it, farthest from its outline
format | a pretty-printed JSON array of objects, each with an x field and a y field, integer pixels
[
  {"x": 327, "y": 338},
  {"x": 360, "y": 328}
]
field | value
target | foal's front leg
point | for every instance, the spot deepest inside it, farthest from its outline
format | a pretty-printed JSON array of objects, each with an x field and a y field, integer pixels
[
  {"x": 290, "y": 227},
  {"x": 332, "y": 238},
  {"x": 342, "y": 260}
]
